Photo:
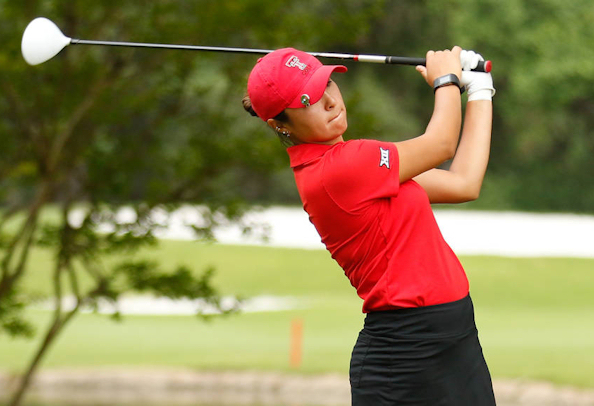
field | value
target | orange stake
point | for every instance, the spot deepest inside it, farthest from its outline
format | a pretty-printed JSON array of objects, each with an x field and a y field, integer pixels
[{"x": 296, "y": 343}]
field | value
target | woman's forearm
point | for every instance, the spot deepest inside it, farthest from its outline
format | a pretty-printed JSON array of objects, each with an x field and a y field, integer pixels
[
  {"x": 472, "y": 155},
  {"x": 444, "y": 126},
  {"x": 438, "y": 143}
]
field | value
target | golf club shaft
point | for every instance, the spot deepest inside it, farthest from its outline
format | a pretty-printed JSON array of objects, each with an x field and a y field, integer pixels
[{"x": 483, "y": 66}]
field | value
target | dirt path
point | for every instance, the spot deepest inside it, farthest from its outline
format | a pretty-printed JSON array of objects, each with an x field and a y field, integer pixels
[{"x": 186, "y": 387}]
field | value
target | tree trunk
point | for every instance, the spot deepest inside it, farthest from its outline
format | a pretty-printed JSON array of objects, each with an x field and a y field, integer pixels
[
  {"x": 23, "y": 241},
  {"x": 58, "y": 324}
]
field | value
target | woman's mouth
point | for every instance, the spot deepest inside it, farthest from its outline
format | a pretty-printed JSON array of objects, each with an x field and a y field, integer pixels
[{"x": 335, "y": 117}]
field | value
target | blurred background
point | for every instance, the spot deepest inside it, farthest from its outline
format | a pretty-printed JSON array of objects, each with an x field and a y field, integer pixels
[{"x": 102, "y": 146}]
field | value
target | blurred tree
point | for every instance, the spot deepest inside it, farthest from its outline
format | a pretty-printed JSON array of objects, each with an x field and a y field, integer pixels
[
  {"x": 542, "y": 149},
  {"x": 96, "y": 129},
  {"x": 544, "y": 72}
]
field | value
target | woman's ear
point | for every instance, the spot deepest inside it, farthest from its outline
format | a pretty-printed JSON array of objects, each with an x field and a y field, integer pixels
[{"x": 272, "y": 123}]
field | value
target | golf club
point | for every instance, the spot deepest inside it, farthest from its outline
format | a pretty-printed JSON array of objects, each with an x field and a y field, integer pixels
[{"x": 42, "y": 40}]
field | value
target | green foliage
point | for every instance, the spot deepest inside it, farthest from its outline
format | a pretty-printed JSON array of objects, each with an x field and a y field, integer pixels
[
  {"x": 182, "y": 110},
  {"x": 544, "y": 73},
  {"x": 150, "y": 130},
  {"x": 11, "y": 320}
]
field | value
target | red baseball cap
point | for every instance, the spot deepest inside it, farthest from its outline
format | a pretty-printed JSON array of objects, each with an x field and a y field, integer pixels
[{"x": 287, "y": 78}]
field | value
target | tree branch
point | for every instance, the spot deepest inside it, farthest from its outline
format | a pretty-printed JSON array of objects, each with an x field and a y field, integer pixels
[
  {"x": 55, "y": 154},
  {"x": 24, "y": 237},
  {"x": 10, "y": 276},
  {"x": 74, "y": 283},
  {"x": 17, "y": 109},
  {"x": 58, "y": 323}
]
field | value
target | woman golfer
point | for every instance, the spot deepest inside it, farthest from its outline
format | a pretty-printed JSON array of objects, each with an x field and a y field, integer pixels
[{"x": 370, "y": 203}]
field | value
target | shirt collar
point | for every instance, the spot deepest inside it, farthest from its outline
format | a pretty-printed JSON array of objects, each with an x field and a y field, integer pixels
[{"x": 303, "y": 153}]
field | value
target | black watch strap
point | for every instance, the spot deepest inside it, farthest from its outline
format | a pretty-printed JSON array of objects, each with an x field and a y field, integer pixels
[{"x": 447, "y": 80}]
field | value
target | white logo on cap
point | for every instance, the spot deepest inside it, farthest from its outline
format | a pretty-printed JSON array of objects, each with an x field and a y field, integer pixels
[
  {"x": 293, "y": 62},
  {"x": 385, "y": 158}
]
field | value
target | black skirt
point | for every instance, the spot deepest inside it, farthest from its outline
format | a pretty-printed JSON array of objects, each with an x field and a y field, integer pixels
[{"x": 421, "y": 356}]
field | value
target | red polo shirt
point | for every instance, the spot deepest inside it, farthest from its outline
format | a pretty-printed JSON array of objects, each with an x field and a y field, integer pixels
[{"x": 382, "y": 233}]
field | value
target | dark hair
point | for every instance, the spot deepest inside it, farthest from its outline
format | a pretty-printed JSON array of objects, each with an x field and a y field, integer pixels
[
  {"x": 282, "y": 117},
  {"x": 247, "y": 105}
]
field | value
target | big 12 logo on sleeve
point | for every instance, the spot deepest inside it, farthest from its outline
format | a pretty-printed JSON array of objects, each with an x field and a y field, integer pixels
[{"x": 385, "y": 158}]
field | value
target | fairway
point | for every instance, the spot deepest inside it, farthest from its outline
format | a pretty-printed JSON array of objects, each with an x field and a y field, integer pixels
[{"x": 534, "y": 317}]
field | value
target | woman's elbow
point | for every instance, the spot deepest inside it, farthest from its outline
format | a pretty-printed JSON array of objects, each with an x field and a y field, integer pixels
[
  {"x": 451, "y": 150},
  {"x": 466, "y": 192},
  {"x": 444, "y": 149},
  {"x": 472, "y": 196},
  {"x": 448, "y": 150},
  {"x": 471, "y": 193}
]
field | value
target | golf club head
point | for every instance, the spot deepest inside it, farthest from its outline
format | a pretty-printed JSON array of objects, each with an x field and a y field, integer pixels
[{"x": 42, "y": 40}]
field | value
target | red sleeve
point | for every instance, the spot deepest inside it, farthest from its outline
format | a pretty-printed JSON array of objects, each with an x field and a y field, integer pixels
[{"x": 361, "y": 171}]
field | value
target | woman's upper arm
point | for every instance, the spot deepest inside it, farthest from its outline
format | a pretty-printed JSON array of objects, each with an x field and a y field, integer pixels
[
  {"x": 444, "y": 186},
  {"x": 420, "y": 154}
]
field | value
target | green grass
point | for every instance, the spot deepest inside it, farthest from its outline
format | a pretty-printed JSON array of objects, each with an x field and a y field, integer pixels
[{"x": 535, "y": 317}]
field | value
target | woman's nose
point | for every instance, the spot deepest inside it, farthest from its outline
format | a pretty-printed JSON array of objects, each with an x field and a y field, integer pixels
[{"x": 330, "y": 101}]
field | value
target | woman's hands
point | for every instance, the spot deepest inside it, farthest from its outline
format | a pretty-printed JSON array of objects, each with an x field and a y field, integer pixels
[
  {"x": 479, "y": 85},
  {"x": 462, "y": 182},
  {"x": 441, "y": 63}
]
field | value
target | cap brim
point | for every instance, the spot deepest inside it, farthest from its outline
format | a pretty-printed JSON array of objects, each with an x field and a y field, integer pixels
[{"x": 316, "y": 85}]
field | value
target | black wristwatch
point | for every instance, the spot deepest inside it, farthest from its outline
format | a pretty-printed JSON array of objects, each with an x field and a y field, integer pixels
[{"x": 447, "y": 80}]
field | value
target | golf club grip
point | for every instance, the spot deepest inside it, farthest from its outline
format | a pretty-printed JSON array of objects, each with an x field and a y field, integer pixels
[{"x": 483, "y": 66}]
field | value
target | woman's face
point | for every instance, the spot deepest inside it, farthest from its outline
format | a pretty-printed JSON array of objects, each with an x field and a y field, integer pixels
[{"x": 323, "y": 122}]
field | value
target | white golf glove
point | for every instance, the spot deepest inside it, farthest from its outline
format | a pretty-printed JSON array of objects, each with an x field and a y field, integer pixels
[{"x": 479, "y": 85}]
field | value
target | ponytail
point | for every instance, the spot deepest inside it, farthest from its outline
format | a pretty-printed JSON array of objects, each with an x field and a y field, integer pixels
[
  {"x": 281, "y": 117},
  {"x": 247, "y": 105}
]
